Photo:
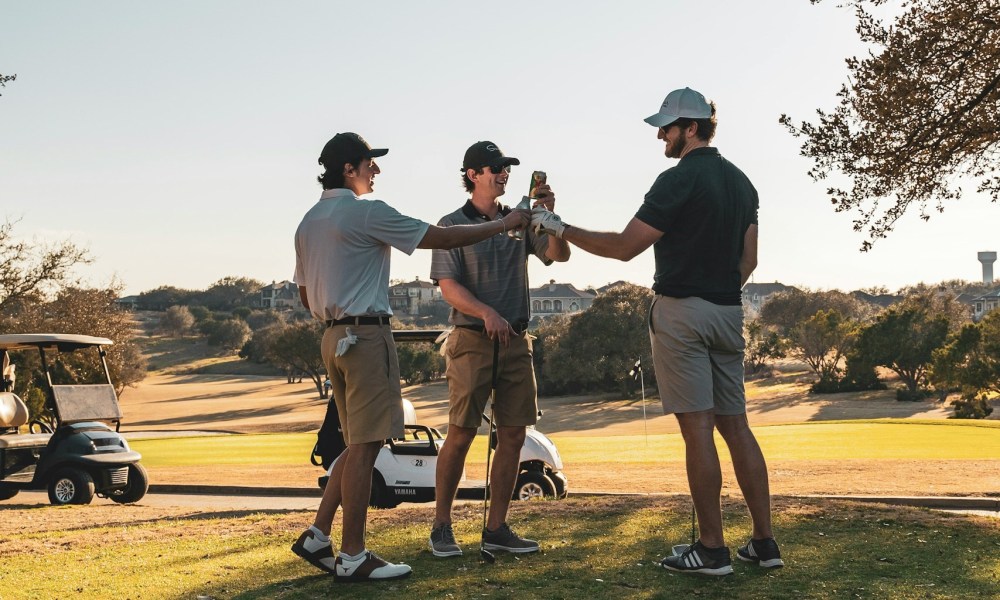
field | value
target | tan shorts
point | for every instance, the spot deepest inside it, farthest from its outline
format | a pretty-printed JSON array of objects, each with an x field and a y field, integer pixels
[
  {"x": 698, "y": 355},
  {"x": 365, "y": 383},
  {"x": 469, "y": 356}
]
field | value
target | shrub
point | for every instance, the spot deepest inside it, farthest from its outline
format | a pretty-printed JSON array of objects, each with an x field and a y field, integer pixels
[{"x": 971, "y": 407}]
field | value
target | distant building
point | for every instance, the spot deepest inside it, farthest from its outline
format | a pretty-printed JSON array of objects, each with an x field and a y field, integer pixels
[
  {"x": 408, "y": 298},
  {"x": 883, "y": 300},
  {"x": 558, "y": 298},
  {"x": 756, "y": 294},
  {"x": 982, "y": 305},
  {"x": 128, "y": 302},
  {"x": 281, "y": 296}
]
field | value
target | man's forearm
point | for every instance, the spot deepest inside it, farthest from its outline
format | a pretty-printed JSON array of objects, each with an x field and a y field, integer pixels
[
  {"x": 602, "y": 243},
  {"x": 558, "y": 249},
  {"x": 456, "y": 236}
]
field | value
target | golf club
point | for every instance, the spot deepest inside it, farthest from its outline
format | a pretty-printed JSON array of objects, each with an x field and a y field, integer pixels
[
  {"x": 636, "y": 373},
  {"x": 485, "y": 554}
]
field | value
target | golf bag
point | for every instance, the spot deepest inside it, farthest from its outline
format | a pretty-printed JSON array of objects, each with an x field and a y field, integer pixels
[{"x": 329, "y": 439}]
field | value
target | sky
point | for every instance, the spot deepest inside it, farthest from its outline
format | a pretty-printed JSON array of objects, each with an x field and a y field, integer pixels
[{"x": 177, "y": 141}]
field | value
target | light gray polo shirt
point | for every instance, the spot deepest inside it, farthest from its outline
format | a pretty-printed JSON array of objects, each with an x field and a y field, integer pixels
[
  {"x": 495, "y": 270},
  {"x": 342, "y": 251}
]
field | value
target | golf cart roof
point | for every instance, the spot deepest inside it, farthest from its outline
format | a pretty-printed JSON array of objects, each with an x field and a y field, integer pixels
[{"x": 62, "y": 341}]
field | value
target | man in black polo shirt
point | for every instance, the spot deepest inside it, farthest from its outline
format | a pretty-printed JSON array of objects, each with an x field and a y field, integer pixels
[
  {"x": 701, "y": 219},
  {"x": 487, "y": 286}
]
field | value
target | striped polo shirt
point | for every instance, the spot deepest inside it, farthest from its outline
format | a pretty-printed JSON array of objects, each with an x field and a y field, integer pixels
[{"x": 494, "y": 270}]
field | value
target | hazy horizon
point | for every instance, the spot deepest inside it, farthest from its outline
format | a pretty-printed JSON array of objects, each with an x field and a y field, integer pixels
[{"x": 178, "y": 142}]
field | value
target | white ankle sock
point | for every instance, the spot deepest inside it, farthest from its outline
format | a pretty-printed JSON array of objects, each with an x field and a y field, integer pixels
[
  {"x": 319, "y": 535},
  {"x": 355, "y": 558}
]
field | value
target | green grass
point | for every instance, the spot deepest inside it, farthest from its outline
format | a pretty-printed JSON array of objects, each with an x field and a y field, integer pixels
[
  {"x": 591, "y": 548},
  {"x": 828, "y": 440}
]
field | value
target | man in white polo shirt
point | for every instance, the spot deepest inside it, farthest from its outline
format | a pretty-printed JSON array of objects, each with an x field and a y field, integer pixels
[{"x": 342, "y": 251}]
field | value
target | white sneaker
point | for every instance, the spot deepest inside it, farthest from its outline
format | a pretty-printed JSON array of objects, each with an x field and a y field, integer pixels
[{"x": 368, "y": 568}]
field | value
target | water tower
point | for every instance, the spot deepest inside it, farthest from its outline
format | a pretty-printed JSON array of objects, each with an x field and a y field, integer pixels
[{"x": 987, "y": 258}]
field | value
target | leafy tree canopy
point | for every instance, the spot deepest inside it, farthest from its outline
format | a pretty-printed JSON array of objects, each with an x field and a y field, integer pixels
[
  {"x": 30, "y": 272},
  {"x": 918, "y": 116}
]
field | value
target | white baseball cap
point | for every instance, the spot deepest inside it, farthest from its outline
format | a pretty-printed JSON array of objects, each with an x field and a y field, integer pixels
[{"x": 680, "y": 104}]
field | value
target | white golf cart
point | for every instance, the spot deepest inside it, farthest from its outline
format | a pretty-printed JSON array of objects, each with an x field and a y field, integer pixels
[{"x": 405, "y": 468}]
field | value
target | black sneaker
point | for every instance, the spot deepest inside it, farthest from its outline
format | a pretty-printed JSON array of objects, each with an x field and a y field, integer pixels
[
  {"x": 699, "y": 559},
  {"x": 319, "y": 554},
  {"x": 443, "y": 542},
  {"x": 763, "y": 552},
  {"x": 505, "y": 539}
]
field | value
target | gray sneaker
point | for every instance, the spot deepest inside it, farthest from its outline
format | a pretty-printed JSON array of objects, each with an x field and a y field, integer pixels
[
  {"x": 505, "y": 539},
  {"x": 443, "y": 543}
]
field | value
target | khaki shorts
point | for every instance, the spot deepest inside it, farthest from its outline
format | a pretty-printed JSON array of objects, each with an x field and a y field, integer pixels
[
  {"x": 698, "y": 355},
  {"x": 365, "y": 383},
  {"x": 469, "y": 356}
]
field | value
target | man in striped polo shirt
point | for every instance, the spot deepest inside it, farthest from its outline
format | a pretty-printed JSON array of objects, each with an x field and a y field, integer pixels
[{"x": 486, "y": 285}]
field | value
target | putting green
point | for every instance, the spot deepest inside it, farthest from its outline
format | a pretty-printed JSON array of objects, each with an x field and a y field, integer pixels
[{"x": 828, "y": 440}]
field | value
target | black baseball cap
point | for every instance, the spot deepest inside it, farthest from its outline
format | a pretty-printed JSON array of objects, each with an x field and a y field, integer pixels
[
  {"x": 486, "y": 154},
  {"x": 348, "y": 147}
]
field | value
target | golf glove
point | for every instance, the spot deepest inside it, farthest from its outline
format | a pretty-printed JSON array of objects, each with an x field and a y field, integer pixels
[
  {"x": 545, "y": 221},
  {"x": 344, "y": 344}
]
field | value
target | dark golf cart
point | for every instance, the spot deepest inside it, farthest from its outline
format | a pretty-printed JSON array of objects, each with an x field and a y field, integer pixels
[{"x": 82, "y": 455}]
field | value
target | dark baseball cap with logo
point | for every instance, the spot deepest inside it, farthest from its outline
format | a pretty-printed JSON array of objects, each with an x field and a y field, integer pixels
[
  {"x": 348, "y": 147},
  {"x": 486, "y": 154}
]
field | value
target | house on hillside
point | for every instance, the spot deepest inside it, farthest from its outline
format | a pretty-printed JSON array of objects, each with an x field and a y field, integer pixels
[
  {"x": 982, "y": 305},
  {"x": 281, "y": 296},
  {"x": 408, "y": 298},
  {"x": 128, "y": 302},
  {"x": 558, "y": 298},
  {"x": 756, "y": 294},
  {"x": 882, "y": 300}
]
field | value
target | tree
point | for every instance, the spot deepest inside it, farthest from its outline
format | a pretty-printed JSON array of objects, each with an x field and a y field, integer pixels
[
  {"x": 177, "y": 321},
  {"x": 5, "y": 78},
  {"x": 419, "y": 363},
  {"x": 970, "y": 364},
  {"x": 821, "y": 341},
  {"x": 297, "y": 346},
  {"x": 918, "y": 116},
  {"x": 763, "y": 344},
  {"x": 83, "y": 312},
  {"x": 787, "y": 310},
  {"x": 905, "y": 336},
  {"x": 164, "y": 297},
  {"x": 599, "y": 345},
  {"x": 29, "y": 271},
  {"x": 228, "y": 334},
  {"x": 229, "y": 293}
]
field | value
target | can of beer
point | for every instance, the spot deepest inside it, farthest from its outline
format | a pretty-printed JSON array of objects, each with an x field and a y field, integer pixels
[{"x": 537, "y": 179}]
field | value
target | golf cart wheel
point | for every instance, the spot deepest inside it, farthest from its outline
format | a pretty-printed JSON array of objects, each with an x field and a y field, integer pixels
[
  {"x": 71, "y": 486},
  {"x": 7, "y": 491},
  {"x": 532, "y": 485},
  {"x": 381, "y": 497},
  {"x": 138, "y": 485}
]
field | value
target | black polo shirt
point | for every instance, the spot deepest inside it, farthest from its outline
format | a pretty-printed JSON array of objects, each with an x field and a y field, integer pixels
[{"x": 703, "y": 206}]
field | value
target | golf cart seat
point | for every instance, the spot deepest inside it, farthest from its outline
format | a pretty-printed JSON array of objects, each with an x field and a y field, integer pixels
[
  {"x": 14, "y": 414},
  {"x": 419, "y": 445}
]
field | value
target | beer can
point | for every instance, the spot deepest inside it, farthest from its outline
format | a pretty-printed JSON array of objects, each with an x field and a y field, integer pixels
[{"x": 537, "y": 179}]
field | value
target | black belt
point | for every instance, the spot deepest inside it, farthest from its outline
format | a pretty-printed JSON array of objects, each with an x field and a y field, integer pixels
[
  {"x": 519, "y": 328},
  {"x": 380, "y": 320}
]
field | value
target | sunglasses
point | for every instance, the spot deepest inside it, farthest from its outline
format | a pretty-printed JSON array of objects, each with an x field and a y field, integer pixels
[{"x": 498, "y": 169}]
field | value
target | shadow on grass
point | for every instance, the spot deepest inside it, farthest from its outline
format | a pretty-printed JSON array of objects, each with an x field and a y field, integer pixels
[{"x": 609, "y": 548}]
